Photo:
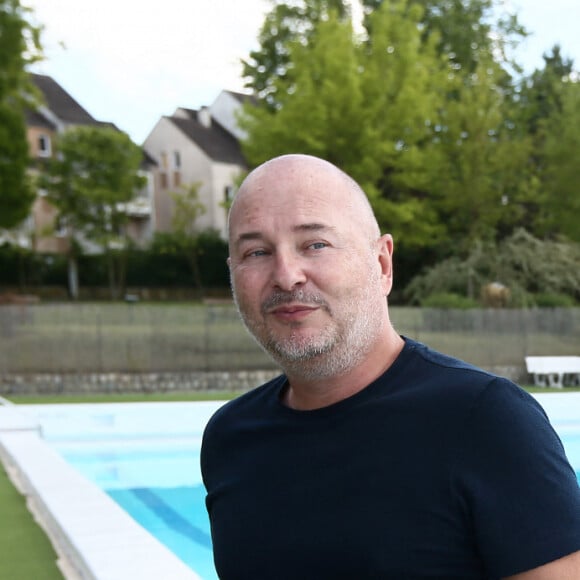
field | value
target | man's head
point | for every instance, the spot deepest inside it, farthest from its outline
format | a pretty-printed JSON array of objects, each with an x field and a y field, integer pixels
[{"x": 310, "y": 271}]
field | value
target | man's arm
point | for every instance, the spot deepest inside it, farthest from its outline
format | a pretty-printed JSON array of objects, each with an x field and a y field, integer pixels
[{"x": 566, "y": 568}]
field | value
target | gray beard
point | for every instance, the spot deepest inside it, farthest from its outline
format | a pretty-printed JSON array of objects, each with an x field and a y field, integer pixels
[{"x": 338, "y": 348}]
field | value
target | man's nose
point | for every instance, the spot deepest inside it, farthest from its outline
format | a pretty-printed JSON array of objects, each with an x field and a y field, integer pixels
[{"x": 288, "y": 271}]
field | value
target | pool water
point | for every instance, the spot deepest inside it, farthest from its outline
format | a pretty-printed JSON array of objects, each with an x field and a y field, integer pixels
[
  {"x": 571, "y": 440},
  {"x": 158, "y": 484},
  {"x": 177, "y": 517},
  {"x": 146, "y": 457}
]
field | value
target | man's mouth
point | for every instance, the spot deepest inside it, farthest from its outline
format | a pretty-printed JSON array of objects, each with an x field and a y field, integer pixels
[{"x": 293, "y": 312}]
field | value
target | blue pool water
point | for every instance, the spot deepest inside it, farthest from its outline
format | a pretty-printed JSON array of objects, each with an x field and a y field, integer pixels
[
  {"x": 146, "y": 457},
  {"x": 176, "y": 516}
]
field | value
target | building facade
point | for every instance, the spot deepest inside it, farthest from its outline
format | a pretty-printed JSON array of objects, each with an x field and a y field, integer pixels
[
  {"x": 57, "y": 113},
  {"x": 199, "y": 148}
]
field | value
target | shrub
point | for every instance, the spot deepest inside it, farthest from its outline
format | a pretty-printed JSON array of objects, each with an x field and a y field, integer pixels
[
  {"x": 448, "y": 300},
  {"x": 553, "y": 300}
]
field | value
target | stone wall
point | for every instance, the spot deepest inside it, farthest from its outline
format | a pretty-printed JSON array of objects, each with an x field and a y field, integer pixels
[
  {"x": 79, "y": 383},
  {"x": 91, "y": 383}
]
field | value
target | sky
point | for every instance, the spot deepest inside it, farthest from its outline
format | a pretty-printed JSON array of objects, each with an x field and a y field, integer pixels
[{"x": 131, "y": 62}]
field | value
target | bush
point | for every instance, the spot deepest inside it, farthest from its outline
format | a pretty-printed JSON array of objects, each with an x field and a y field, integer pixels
[
  {"x": 553, "y": 300},
  {"x": 161, "y": 265},
  {"x": 527, "y": 266},
  {"x": 448, "y": 300}
]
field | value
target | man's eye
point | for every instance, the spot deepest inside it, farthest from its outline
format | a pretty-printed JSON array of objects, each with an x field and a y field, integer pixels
[
  {"x": 256, "y": 253},
  {"x": 317, "y": 245}
]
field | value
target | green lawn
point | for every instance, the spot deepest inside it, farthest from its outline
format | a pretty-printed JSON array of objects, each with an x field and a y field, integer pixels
[
  {"x": 123, "y": 397},
  {"x": 26, "y": 553}
]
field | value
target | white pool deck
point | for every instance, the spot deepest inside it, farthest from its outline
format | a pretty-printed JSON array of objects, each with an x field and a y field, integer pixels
[{"x": 93, "y": 537}]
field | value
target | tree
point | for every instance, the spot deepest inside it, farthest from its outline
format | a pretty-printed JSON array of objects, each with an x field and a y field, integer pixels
[
  {"x": 405, "y": 83},
  {"x": 16, "y": 193},
  {"x": 363, "y": 106},
  {"x": 19, "y": 47},
  {"x": 561, "y": 175},
  {"x": 541, "y": 92},
  {"x": 186, "y": 235},
  {"x": 481, "y": 175},
  {"x": 540, "y": 100},
  {"x": 319, "y": 102},
  {"x": 466, "y": 29},
  {"x": 287, "y": 23},
  {"x": 90, "y": 181}
]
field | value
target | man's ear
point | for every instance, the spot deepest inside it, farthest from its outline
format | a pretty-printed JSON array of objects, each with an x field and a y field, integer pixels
[{"x": 385, "y": 256}]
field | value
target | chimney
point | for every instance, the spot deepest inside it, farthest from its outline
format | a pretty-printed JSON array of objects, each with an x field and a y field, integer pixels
[{"x": 204, "y": 117}]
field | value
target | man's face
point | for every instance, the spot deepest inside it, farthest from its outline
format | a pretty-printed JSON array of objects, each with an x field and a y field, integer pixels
[{"x": 305, "y": 274}]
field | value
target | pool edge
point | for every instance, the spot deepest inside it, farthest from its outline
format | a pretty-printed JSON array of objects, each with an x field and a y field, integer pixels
[{"x": 93, "y": 537}]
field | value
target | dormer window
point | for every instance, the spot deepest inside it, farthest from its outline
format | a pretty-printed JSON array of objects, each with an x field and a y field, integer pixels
[{"x": 44, "y": 145}]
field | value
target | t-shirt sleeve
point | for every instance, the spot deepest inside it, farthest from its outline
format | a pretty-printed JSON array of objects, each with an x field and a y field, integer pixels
[{"x": 516, "y": 485}]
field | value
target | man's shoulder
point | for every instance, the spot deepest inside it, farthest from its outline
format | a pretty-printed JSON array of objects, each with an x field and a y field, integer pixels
[
  {"x": 435, "y": 357},
  {"x": 249, "y": 403},
  {"x": 455, "y": 381},
  {"x": 436, "y": 364}
]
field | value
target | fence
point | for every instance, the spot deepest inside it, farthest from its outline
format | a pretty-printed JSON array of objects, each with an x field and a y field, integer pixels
[{"x": 67, "y": 339}]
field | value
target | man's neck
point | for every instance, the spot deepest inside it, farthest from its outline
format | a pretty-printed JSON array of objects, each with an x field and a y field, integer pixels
[{"x": 305, "y": 394}]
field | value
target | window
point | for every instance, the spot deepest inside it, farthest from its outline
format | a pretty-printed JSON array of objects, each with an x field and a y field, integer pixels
[
  {"x": 164, "y": 160},
  {"x": 163, "y": 181},
  {"x": 229, "y": 193},
  {"x": 176, "y": 179},
  {"x": 176, "y": 159},
  {"x": 44, "y": 148},
  {"x": 61, "y": 229}
]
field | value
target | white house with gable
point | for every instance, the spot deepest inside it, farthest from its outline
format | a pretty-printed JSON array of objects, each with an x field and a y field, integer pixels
[{"x": 198, "y": 146}]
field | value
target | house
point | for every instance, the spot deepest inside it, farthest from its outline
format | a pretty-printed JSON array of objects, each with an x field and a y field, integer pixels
[
  {"x": 56, "y": 114},
  {"x": 198, "y": 147}
]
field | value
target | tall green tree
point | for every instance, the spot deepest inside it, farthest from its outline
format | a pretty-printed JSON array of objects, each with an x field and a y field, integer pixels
[
  {"x": 541, "y": 92},
  {"x": 285, "y": 24},
  {"x": 366, "y": 106},
  {"x": 319, "y": 102},
  {"x": 481, "y": 176},
  {"x": 405, "y": 83},
  {"x": 19, "y": 47},
  {"x": 560, "y": 178},
  {"x": 91, "y": 179},
  {"x": 466, "y": 29},
  {"x": 540, "y": 101}
]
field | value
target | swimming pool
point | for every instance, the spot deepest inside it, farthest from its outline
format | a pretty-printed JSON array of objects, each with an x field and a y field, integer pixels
[{"x": 146, "y": 457}]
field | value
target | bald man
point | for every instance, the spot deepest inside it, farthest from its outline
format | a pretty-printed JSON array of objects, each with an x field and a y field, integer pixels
[{"x": 372, "y": 456}]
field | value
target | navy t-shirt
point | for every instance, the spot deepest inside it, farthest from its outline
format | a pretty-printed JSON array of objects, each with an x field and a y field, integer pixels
[{"x": 435, "y": 470}]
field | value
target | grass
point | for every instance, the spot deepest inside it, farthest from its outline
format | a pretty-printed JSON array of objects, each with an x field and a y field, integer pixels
[
  {"x": 27, "y": 554},
  {"x": 51, "y": 399}
]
